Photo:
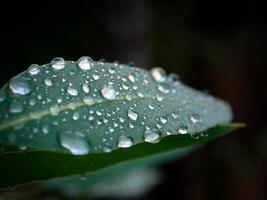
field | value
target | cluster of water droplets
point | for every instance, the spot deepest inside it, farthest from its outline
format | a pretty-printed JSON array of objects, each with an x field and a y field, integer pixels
[{"x": 108, "y": 102}]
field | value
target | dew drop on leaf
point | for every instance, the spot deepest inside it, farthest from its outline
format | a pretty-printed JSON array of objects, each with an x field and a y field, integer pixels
[
  {"x": 75, "y": 143},
  {"x": 86, "y": 88},
  {"x": 88, "y": 100},
  {"x": 194, "y": 118},
  {"x": 58, "y": 63},
  {"x": 15, "y": 107},
  {"x": 18, "y": 86},
  {"x": 158, "y": 74},
  {"x": 34, "y": 69},
  {"x": 125, "y": 142},
  {"x": 132, "y": 114},
  {"x": 72, "y": 91},
  {"x": 108, "y": 92},
  {"x": 183, "y": 130},
  {"x": 85, "y": 63},
  {"x": 151, "y": 136}
]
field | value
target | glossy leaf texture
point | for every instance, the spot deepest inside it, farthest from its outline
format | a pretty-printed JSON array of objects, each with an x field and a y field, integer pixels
[{"x": 65, "y": 108}]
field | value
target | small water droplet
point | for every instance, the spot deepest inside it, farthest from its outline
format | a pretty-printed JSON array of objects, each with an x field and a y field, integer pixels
[
  {"x": 173, "y": 77},
  {"x": 18, "y": 86},
  {"x": 34, "y": 69},
  {"x": 183, "y": 130},
  {"x": 108, "y": 92},
  {"x": 164, "y": 88},
  {"x": 175, "y": 115},
  {"x": 112, "y": 70},
  {"x": 158, "y": 74},
  {"x": 54, "y": 110},
  {"x": 72, "y": 91},
  {"x": 2, "y": 96},
  {"x": 125, "y": 142},
  {"x": 86, "y": 88},
  {"x": 159, "y": 98},
  {"x": 131, "y": 78},
  {"x": 107, "y": 149},
  {"x": 132, "y": 114},
  {"x": 163, "y": 120},
  {"x": 150, "y": 107},
  {"x": 48, "y": 82},
  {"x": 85, "y": 63},
  {"x": 151, "y": 136},
  {"x": 75, "y": 143},
  {"x": 194, "y": 118},
  {"x": 45, "y": 129},
  {"x": 88, "y": 100},
  {"x": 15, "y": 107},
  {"x": 95, "y": 76},
  {"x": 58, "y": 63},
  {"x": 76, "y": 116}
]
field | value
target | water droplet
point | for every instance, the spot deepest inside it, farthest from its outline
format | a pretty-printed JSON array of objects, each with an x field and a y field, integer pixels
[
  {"x": 48, "y": 82},
  {"x": 95, "y": 76},
  {"x": 18, "y": 86},
  {"x": 175, "y": 115},
  {"x": 107, "y": 149},
  {"x": 183, "y": 130},
  {"x": 173, "y": 77},
  {"x": 131, "y": 78},
  {"x": 150, "y": 107},
  {"x": 194, "y": 118},
  {"x": 159, "y": 98},
  {"x": 112, "y": 70},
  {"x": 132, "y": 114},
  {"x": 163, "y": 120},
  {"x": 75, "y": 143},
  {"x": 72, "y": 91},
  {"x": 164, "y": 88},
  {"x": 58, "y": 63},
  {"x": 125, "y": 142},
  {"x": 34, "y": 69},
  {"x": 76, "y": 116},
  {"x": 54, "y": 110},
  {"x": 86, "y": 88},
  {"x": 151, "y": 136},
  {"x": 85, "y": 63},
  {"x": 2, "y": 96},
  {"x": 158, "y": 74},
  {"x": 88, "y": 100},
  {"x": 15, "y": 107},
  {"x": 45, "y": 129},
  {"x": 108, "y": 92}
]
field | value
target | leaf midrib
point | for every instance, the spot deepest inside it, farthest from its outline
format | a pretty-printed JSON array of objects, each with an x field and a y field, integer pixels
[{"x": 70, "y": 106}]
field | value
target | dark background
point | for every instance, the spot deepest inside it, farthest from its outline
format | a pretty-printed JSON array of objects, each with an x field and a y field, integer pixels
[{"x": 219, "y": 46}]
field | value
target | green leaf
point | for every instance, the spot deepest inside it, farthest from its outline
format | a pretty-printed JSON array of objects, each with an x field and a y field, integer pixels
[
  {"x": 52, "y": 114},
  {"x": 35, "y": 165}
]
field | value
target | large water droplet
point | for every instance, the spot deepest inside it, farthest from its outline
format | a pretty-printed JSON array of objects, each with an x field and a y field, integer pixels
[
  {"x": 54, "y": 110},
  {"x": 151, "y": 136},
  {"x": 85, "y": 63},
  {"x": 108, "y": 92},
  {"x": 18, "y": 86},
  {"x": 75, "y": 143},
  {"x": 95, "y": 76},
  {"x": 158, "y": 74},
  {"x": 132, "y": 114},
  {"x": 58, "y": 63},
  {"x": 34, "y": 69},
  {"x": 72, "y": 91},
  {"x": 15, "y": 107},
  {"x": 76, "y": 116},
  {"x": 125, "y": 142}
]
